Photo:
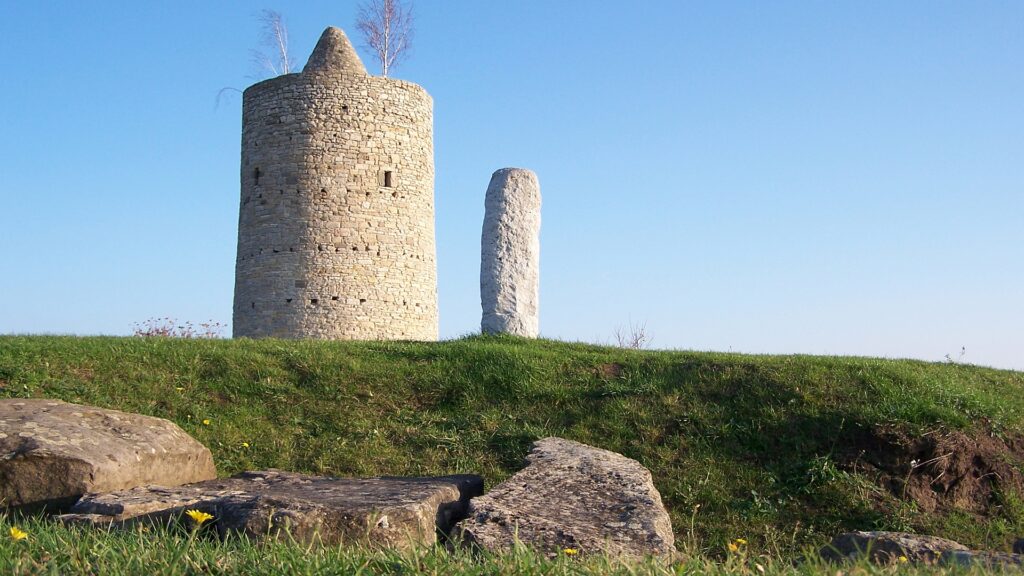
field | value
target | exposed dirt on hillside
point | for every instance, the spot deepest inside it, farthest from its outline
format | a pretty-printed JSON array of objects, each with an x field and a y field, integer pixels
[
  {"x": 941, "y": 469},
  {"x": 608, "y": 371}
]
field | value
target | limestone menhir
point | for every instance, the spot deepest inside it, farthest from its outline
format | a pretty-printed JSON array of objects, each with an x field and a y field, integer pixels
[
  {"x": 510, "y": 254},
  {"x": 336, "y": 224}
]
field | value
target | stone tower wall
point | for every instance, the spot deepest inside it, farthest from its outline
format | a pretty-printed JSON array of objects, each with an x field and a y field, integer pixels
[{"x": 336, "y": 223}]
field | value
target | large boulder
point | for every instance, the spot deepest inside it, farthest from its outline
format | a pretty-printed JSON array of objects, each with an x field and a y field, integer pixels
[
  {"x": 573, "y": 496},
  {"x": 387, "y": 512},
  {"x": 52, "y": 452},
  {"x": 889, "y": 547}
]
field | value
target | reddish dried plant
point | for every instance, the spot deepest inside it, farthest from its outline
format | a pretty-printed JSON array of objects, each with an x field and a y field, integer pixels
[{"x": 170, "y": 328}]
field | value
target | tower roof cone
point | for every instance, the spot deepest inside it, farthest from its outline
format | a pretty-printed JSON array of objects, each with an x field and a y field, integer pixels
[{"x": 334, "y": 53}]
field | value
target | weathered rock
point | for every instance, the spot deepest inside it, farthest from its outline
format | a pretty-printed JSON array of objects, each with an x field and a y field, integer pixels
[
  {"x": 52, "y": 452},
  {"x": 571, "y": 495},
  {"x": 386, "y": 512},
  {"x": 886, "y": 547},
  {"x": 510, "y": 254},
  {"x": 990, "y": 560}
]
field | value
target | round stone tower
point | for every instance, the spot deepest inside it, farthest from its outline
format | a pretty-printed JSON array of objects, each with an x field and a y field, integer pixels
[{"x": 336, "y": 224}]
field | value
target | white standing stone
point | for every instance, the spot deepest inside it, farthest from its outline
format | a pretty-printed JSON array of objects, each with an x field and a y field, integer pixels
[{"x": 510, "y": 254}]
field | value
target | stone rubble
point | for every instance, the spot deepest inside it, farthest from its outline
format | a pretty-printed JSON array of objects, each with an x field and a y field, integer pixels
[
  {"x": 896, "y": 547},
  {"x": 52, "y": 452},
  {"x": 383, "y": 512},
  {"x": 573, "y": 496}
]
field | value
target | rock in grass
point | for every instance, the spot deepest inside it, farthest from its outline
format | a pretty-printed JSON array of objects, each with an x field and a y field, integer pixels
[
  {"x": 52, "y": 452},
  {"x": 979, "y": 559},
  {"x": 386, "y": 512},
  {"x": 573, "y": 496},
  {"x": 889, "y": 547}
]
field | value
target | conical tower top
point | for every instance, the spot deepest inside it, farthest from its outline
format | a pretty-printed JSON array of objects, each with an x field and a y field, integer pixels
[{"x": 334, "y": 53}]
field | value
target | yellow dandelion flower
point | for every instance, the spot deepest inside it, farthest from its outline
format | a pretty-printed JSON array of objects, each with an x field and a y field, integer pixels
[
  {"x": 733, "y": 547},
  {"x": 741, "y": 541},
  {"x": 245, "y": 444},
  {"x": 18, "y": 534},
  {"x": 571, "y": 551},
  {"x": 903, "y": 560},
  {"x": 198, "y": 516},
  {"x": 206, "y": 422}
]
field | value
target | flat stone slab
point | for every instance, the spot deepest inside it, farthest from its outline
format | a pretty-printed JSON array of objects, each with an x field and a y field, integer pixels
[
  {"x": 386, "y": 512},
  {"x": 888, "y": 547},
  {"x": 573, "y": 496},
  {"x": 52, "y": 452},
  {"x": 981, "y": 559}
]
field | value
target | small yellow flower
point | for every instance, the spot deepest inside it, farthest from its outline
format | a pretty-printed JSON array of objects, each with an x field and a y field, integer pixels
[
  {"x": 571, "y": 551},
  {"x": 18, "y": 534},
  {"x": 179, "y": 388},
  {"x": 206, "y": 422},
  {"x": 245, "y": 444},
  {"x": 198, "y": 517},
  {"x": 741, "y": 541},
  {"x": 903, "y": 560},
  {"x": 733, "y": 547}
]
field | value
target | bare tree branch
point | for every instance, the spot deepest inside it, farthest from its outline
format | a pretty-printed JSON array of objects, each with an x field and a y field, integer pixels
[
  {"x": 274, "y": 37},
  {"x": 387, "y": 29},
  {"x": 634, "y": 336}
]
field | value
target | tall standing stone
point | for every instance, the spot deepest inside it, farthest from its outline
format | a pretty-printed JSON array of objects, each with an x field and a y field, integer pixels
[{"x": 510, "y": 254}]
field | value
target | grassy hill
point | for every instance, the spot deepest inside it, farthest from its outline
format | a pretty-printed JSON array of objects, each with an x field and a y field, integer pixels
[{"x": 783, "y": 451}]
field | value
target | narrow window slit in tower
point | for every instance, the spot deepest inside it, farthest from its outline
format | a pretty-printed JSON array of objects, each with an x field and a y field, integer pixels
[
  {"x": 387, "y": 178},
  {"x": 288, "y": 300},
  {"x": 256, "y": 176},
  {"x": 253, "y": 305},
  {"x": 362, "y": 300},
  {"x": 335, "y": 298},
  {"x": 314, "y": 301}
]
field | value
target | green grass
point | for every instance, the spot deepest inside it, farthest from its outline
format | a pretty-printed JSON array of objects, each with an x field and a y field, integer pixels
[
  {"x": 739, "y": 445},
  {"x": 51, "y": 548}
]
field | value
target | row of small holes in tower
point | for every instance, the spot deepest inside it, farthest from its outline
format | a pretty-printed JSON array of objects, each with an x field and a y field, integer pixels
[
  {"x": 315, "y": 301},
  {"x": 320, "y": 248},
  {"x": 323, "y": 194}
]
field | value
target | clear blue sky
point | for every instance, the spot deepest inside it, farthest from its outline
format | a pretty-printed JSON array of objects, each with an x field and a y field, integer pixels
[{"x": 784, "y": 177}]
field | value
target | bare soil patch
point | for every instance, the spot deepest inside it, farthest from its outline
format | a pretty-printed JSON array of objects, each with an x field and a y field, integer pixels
[
  {"x": 941, "y": 469},
  {"x": 608, "y": 371}
]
